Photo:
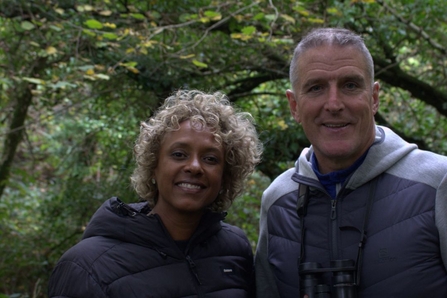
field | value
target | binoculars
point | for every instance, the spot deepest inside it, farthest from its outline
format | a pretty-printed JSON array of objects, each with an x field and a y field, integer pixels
[{"x": 343, "y": 280}]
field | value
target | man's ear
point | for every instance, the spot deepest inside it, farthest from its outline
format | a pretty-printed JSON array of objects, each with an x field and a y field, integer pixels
[
  {"x": 293, "y": 105},
  {"x": 375, "y": 97}
]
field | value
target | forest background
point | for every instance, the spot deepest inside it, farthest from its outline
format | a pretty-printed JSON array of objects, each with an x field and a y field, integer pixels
[{"x": 77, "y": 78}]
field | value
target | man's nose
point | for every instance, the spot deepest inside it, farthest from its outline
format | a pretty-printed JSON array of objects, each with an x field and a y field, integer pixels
[{"x": 334, "y": 102}]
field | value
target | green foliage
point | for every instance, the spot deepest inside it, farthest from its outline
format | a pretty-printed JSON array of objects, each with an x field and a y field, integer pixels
[
  {"x": 85, "y": 73},
  {"x": 244, "y": 212}
]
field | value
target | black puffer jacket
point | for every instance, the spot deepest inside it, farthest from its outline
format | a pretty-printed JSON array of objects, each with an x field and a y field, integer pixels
[{"x": 125, "y": 253}]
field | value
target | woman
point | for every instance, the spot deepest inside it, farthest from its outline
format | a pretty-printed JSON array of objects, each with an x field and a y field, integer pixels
[{"x": 192, "y": 159}]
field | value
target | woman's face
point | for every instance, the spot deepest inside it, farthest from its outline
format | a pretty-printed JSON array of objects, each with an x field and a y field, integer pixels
[{"x": 189, "y": 171}]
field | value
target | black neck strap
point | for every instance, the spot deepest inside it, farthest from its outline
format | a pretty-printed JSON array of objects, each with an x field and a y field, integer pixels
[
  {"x": 301, "y": 210},
  {"x": 370, "y": 202}
]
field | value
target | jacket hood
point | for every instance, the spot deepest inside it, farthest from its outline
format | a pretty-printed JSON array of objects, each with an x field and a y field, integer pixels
[
  {"x": 131, "y": 223},
  {"x": 386, "y": 151}
]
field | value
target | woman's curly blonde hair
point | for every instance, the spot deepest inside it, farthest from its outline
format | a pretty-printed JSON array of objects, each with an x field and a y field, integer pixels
[{"x": 234, "y": 130}]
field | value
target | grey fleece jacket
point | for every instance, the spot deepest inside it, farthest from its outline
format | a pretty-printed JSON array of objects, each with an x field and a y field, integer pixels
[{"x": 405, "y": 253}]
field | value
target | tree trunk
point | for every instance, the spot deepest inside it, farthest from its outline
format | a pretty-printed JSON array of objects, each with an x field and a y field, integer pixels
[{"x": 15, "y": 134}]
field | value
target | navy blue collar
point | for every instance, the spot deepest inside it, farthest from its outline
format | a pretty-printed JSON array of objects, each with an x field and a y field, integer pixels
[{"x": 330, "y": 180}]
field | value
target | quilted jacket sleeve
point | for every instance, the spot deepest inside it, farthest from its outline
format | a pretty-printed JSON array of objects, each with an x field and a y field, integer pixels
[{"x": 71, "y": 280}]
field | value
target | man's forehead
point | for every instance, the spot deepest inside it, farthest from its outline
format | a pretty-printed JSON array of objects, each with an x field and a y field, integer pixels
[{"x": 325, "y": 60}]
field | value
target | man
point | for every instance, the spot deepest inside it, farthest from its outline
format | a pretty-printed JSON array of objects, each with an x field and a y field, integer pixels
[{"x": 365, "y": 195}]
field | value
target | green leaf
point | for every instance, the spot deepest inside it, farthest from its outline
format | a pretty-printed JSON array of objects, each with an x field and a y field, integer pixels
[
  {"x": 155, "y": 14},
  {"x": 89, "y": 32},
  {"x": 288, "y": 18},
  {"x": 62, "y": 85},
  {"x": 86, "y": 67},
  {"x": 93, "y": 24},
  {"x": 316, "y": 20},
  {"x": 109, "y": 35},
  {"x": 334, "y": 11},
  {"x": 26, "y": 25},
  {"x": 130, "y": 64},
  {"x": 187, "y": 17},
  {"x": 101, "y": 44},
  {"x": 270, "y": 17},
  {"x": 138, "y": 16},
  {"x": 102, "y": 76},
  {"x": 249, "y": 30},
  {"x": 199, "y": 64},
  {"x": 213, "y": 15},
  {"x": 56, "y": 28},
  {"x": 34, "y": 81},
  {"x": 259, "y": 16}
]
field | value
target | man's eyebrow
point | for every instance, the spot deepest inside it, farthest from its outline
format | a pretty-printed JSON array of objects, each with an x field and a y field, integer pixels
[
  {"x": 311, "y": 82},
  {"x": 344, "y": 78},
  {"x": 353, "y": 77}
]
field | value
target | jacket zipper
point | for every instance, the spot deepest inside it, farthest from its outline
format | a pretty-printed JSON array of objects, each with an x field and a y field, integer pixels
[
  {"x": 334, "y": 229},
  {"x": 193, "y": 268},
  {"x": 127, "y": 209}
]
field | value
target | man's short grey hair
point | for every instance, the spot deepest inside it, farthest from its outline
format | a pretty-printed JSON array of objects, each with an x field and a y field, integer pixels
[{"x": 330, "y": 36}]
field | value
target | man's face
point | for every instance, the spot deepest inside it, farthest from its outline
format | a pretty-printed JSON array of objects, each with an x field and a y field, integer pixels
[{"x": 334, "y": 101}]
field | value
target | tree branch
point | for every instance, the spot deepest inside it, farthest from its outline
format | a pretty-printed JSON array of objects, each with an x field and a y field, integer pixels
[
  {"x": 414, "y": 28},
  {"x": 392, "y": 74}
]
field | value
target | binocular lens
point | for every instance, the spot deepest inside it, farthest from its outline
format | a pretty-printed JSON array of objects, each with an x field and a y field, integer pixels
[{"x": 343, "y": 280}]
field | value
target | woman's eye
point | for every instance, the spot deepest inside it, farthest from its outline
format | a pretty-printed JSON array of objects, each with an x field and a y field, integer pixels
[
  {"x": 211, "y": 159},
  {"x": 177, "y": 154}
]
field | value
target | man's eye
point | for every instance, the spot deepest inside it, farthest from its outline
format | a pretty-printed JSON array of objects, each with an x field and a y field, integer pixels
[
  {"x": 351, "y": 86},
  {"x": 315, "y": 88}
]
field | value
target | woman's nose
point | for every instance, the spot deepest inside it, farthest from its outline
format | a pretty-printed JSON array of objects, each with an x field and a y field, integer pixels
[{"x": 193, "y": 165}]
